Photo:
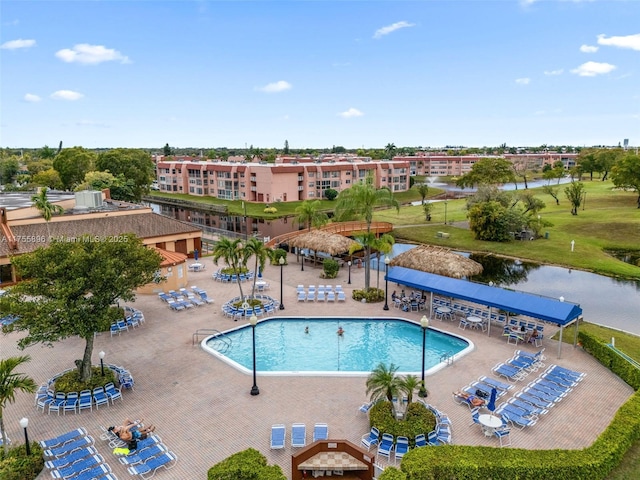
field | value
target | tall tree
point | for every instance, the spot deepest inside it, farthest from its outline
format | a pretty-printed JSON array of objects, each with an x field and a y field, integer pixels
[
  {"x": 308, "y": 214},
  {"x": 626, "y": 173},
  {"x": 166, "y": 150},
  {"x": 134, "y": 165},
  {"x": 70, "y": 288},
  {"x": 72, "y": 164},
  {"x": 487, "y": 171},
  {"x": 9, "y": 168},
  {"x": 390, "y": 150},
  {"x": 423, "y": 190},
  {"x": 553, "y": 191},
  {"x": 46, "y": 152},
  {"x": 382, "y": 245},
  {"x": 408, "y": 385},
  {"x": 256, "y": 248},
  {"x": 232, "y": 252},
  {"x": 359, "y": 202},
  {"x": 383, "y": 383},
  {"x": 12, "y": 382},
  {"x": 575, "y": 194},
  {"x": 286, "y": 147},
  {"x": 45, "y": 207}
]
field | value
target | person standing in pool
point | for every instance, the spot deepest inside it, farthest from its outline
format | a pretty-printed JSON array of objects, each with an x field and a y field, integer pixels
[
  {"x": 340, "y": 331},
  {"x": 306, "y": 329}
]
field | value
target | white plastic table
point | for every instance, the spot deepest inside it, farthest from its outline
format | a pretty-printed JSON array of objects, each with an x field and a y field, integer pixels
[{"x": 489, "y": 423}]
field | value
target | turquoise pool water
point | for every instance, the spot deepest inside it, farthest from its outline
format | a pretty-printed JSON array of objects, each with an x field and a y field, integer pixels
[{"x": 283, "y": 347}]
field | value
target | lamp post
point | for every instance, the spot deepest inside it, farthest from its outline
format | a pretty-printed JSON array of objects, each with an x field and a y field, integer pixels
[
  {"x": 101, "y": 355},
  {"x": 253, "y": 321},
  {"x": 281, "y": 262},
  {"x": 445, "y": 212},
  {"x": 302, "y": 256},
  {"x": 387, "y": 260},
  {"x": 424, "y": 323},
  {"x": 246, "y": 227},
  {"x": 349, "y": 263},
  {"x": 24, "y": 423}
]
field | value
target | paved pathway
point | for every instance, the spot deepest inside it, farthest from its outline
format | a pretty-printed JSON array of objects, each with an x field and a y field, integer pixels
[{"x": 203, "y": 410}]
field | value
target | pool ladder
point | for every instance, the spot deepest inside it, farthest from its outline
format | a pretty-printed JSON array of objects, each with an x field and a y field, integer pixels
[
  {"x": 220, "y": 342},
  {"x": 447, "y": 358}
]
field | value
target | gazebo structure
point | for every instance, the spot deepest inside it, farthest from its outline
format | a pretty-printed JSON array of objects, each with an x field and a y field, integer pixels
[
  {"x": 437, "y": 260},
  {"x": 321, "y": 241}
]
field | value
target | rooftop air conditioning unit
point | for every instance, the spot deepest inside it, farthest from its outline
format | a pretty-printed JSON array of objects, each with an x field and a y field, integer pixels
[{"x": 88, "y": 199}]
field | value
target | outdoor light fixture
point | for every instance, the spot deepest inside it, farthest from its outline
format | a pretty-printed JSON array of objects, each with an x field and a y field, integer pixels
[
  {"x": 101, "y": 355},
  {"x": 349, "y": 263},
  {"x": 24, "y": 423},
  {"x": 387, "y": 261},
  {"x": 302, "y": 255},
  {"x": 424, "y": 323},
  {"x": 253, "y": 321},
  {"x": 281, "y": 262}
]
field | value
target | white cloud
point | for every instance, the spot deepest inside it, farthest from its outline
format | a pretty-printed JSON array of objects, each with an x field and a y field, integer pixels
[
  {"x": 90, "y": 54},
  {"x": 554, "y": 72},
  {"x": 351, "y": 113},
  {"x": 381, "y": 32},
  {"x": 275, "y": 87},
  {"x": 16, "y": 44},
  {"x": 591, "y": 69},
  {"x": 588, "y": 48},
  {"x": 629, "y": 41},
  {"x": 523, "y": 81},
  {"x": 66, "y": 95},
  {"x": 30, "y": 97},
  {"x": 91, "y": 123}
]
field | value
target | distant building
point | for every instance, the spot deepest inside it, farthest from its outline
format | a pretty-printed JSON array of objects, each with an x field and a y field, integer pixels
[{"x": 22, "y": 230}]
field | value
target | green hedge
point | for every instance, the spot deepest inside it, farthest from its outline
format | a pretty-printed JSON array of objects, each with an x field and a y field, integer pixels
[
  {"x": 17, "y": 466},
  {"x": 249, "y": 464},
  {"x": 418, "y": 419},
  {"x": 454, "y": 462}
]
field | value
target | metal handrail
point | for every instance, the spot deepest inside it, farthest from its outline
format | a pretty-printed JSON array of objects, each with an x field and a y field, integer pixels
[{"x": 210, "y": 331}]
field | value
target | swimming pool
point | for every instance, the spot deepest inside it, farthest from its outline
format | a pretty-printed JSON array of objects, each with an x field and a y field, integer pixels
[{"x": 283, "y": 347}]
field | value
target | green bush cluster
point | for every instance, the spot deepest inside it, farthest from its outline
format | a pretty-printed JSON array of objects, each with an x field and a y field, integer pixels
[
  {"x": 592, "y": 463},
  {"x": 17, "y": 466},
  {"x": 330, "y": 268},
  {"x": 249, "y": 464},
  {"x": 277, "y": 254},
  {"x": 418, "y": 419},
  {"x": 231, "y": 271},
  {"x": 70, "y": 381},
  {"x": 372, "y": 295},
  {"x": 271, "y": 210}
]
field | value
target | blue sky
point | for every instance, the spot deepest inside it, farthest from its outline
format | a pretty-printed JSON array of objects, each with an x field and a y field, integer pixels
[{"x": 319, "y": 73}]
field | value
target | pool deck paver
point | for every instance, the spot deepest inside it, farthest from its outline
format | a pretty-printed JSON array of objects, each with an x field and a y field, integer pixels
[{"x": 204, "y": 412}]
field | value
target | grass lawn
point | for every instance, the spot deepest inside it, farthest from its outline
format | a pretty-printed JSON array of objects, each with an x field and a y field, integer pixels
[{"x": 609, "y": 220}]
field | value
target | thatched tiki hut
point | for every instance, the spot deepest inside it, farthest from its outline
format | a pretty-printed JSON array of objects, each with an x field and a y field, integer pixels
[
  {"x": 321, "y": 241},
  {"x": 437, "y": 260}
]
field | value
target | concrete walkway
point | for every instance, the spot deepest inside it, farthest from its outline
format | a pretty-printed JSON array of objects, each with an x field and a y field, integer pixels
[{"x": 203, "y": 409}]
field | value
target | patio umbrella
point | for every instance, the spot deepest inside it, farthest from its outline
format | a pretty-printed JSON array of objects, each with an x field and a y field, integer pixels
[
  {"x": 438, "y": 260},
  {"x": 195, "y": 254},
  {"x": 492, "y": 400}
]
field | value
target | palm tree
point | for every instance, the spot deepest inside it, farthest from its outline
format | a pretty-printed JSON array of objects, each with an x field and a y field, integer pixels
[
  {"x": 233, "y": 253},
  {"x": 359, "y": 201},
  {"x": 384, "y": 383},
  {"x": 256, "y": 248},
  {"x": 384, "y": 244},
  {"x": 390, "y": 150},
  {"x": 10, "y": 383},
  {"x": 308, "y": 213},
  {"x": 46, "y": 208},
  {"x": 408, "y": 385}
]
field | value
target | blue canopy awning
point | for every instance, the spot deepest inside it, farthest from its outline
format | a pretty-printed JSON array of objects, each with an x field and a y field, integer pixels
[{"x": 548, "y": 309}]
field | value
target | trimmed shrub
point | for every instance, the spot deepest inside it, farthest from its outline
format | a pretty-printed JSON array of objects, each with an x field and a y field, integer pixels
[
  {"x": 271, "y": 210},
  {"x": 70, "y": 381},
  {"x": 277, "y": 254},
  {"x": 17, "y": 466},
  {"x": 249, "y": 464},
  {"x": 373, "y": 295},
  {"x": 330, "y": 268},
  {"x": 418, "y": 419}
]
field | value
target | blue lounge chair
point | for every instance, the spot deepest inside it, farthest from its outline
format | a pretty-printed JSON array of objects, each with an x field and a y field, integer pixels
[
  {"x": 365, "y": 407},
  {"x": 503, "y": 435},
  {"x": 67, "y": 448},
  {"x": 71, "y": 458},
  {"x": 533, "y": 400},
  {"x": 85, "y": 401},
  {"x": 149, "y": 468},
  {"x": 99, "y": 397},
  {"x": 96, "y": 472},
  {"x": 112, "y": 392},
  {"x": 421, "y": 440},
  {"x": 141, "y": 456},
  {"x": 386, "y": 446},
  {"x": 71, "y": 403},
  {"x": 74, "y": 469},
  {"x": 278, "y": 436},
  {"x": 58, "y": 402},
  {"x": 298, "y": 435},
  {"x": 402, "y": 447},
  {"x": 320, "y": 431},
  {"x": 496, "y": 383},
  {"x": 371, "y": 439},
  {"x": 62, "y": 439}
]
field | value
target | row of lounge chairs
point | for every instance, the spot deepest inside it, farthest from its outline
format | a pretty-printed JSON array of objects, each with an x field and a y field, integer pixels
[
  {"x": 324, "y": 293},
  {"x": 480, "y": 390},
  {"x": 148, "y": 456},
  {"x": 184, "y": 299},
  {"x": 73, "y": 456},
  {"x": 133, "y": 318},
  {"x": 225, "y": 278},
  {"x": 298, "y": 434},
  {"x": 518, "y": 367},
  {"x": 76, "y": 401}
]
